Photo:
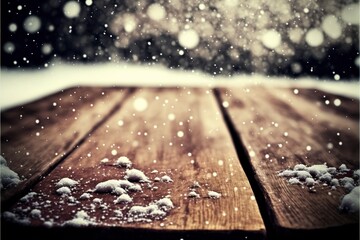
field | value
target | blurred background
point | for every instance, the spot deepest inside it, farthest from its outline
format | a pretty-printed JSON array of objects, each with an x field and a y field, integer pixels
[{"x": 317, "y": 38}]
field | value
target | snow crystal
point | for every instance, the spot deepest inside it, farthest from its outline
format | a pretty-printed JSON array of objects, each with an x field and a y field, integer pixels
[
  {"x": 156, "y": 12},
  {"x": 9, "y": 178},
  {"x": 271, "y": 39},
  {"x": 193, "y": 194},
  {"x": 350, "y": 202},
  {"x": 63, "y": 191},
  {"x": 35, "y": 213},
  {"x": 28, "y": 196},
  {"x": 32, "y": 24},
  {"x": 85, "y": 196},
  {"x": 124, "y": 198},
  {"x": 72, "y": 9},
  {"x": 314, "y": 37},
  {"x": 166, "y": 179},
  {"x": 213, "y": 194},
  {"x": 123, "y": 162},
  {"x": 135, "y": 175},
  {"x": 189, "y": 38},
  {"x": 66, "y": 182}
]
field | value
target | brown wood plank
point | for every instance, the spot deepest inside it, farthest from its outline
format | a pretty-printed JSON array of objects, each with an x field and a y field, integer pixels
[
  {"x": 280, "y": 129},
  {"x": 36, "y": 136},
  {"x": 203, "y": 151}
]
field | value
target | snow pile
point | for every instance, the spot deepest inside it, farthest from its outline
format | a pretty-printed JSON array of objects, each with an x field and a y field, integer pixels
[
  {"x": 327, "y": 176},
  {"x": 66, "y": 182},
  {"x": 123, "y": 162},
  {"x": 9, "y": 178},
  {"x": 213, "y": 194},
  {"x": 155, "y": 210},
  {"x": 135, "y": 175},
  {"x": 28, "y": 197},
  {"x": 124, "y": 198},
  {"x": 64, "y": 191},
  {"x": 81, "y": 219},
  {"x": 350, "y": 202}
]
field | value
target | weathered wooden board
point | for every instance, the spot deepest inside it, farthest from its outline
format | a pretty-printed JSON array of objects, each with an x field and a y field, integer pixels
[
  {"x": 177, "y": 132},
  {"x": 280, "y": 128},
  {"x": 36, "y": 136}
]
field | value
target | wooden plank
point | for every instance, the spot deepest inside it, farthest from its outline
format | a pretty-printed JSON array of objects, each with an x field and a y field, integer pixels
[
  {"x": 180, "y": 133},
  {"x": 36, "y": 136},
  {"x": 280, "y": 128}
]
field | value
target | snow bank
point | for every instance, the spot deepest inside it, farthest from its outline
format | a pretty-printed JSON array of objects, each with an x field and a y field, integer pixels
[{"x": 30, "y": 85}]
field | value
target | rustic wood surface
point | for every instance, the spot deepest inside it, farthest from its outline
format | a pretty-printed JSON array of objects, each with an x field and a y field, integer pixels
[
  {"x": 181, "y": 133},
  {"x": 36, "y": 136},
  {"x": 280, "y": 128}
]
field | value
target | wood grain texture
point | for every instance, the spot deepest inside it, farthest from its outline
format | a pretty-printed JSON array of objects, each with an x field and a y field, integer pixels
[
  {"x": 203, "y": 151},
  {"x": 280, "y": 129},
  {"x": 36, "y": 136}
]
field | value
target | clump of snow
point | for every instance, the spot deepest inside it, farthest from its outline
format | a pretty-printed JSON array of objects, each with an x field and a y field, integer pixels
[
  {"x": 63, "y": 191},
  {"x": 123, "y": 162},
  {"x": 294, "y": 180},
  {"x": 302, "y": 175},
  {"x": 81, "y": 219},
  {"x": 299, "y": 167},
  {"x": 165, "y": 204},
  {"x": 287, "y": 173},
  {"x": 104, "y": 160},
  {"x": 350, "y": 202},
  {"x": 166, "y": 178},
  {"x": 124, "y": 198},
  {"x": 343, "y": 168},
  {"x": 35, "y": 213},
  {"x": 12, "y": 217},
  {"x": 327, "y": 176},
  {"x": 135, "y": 175},
  {"x": 309, "y": 181},
  {"x": 9, "y": 178},
  {"x": 28, "y": 197},
  {"x": 318, "y": 170},
  {"x": 107, "y": 186},
  {"x": 66, "y": 182},
  {"x": 213, "y": 194},
  {"x": 85, "y": 196},
  {"x": 152, "y": 211},
  {"x": 193, "y": 194}
]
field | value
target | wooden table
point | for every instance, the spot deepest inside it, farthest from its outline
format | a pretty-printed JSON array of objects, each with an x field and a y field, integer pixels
[{"x": 231, "y": 141}]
